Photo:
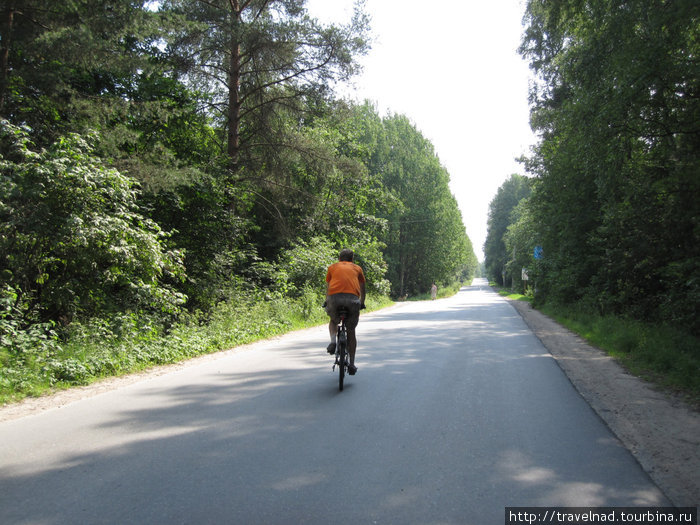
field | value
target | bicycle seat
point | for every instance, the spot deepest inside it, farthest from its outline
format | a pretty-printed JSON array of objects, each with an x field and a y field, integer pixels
[{"x": 343, "y": 311}]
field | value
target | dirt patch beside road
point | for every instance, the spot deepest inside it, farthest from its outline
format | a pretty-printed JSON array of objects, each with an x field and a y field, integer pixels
[{"x": 662, "y": 432}]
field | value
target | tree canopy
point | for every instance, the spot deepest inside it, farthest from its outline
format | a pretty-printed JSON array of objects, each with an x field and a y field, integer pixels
[
  {"x": 616, "y": 192},
  {"x": 501, "y": 216},
  {"x": 164, "y": 157}
]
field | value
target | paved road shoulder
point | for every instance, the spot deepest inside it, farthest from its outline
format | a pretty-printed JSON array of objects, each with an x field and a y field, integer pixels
[{"x": 662, "y": 432}]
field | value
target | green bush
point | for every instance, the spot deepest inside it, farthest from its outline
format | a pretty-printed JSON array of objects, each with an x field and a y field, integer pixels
[
  {"x": 129, "y": 343},
  {"x": 72, "y": 239}
]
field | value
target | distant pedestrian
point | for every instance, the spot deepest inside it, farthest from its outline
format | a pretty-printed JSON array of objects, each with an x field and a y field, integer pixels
[{"x": 433, "y": 291}]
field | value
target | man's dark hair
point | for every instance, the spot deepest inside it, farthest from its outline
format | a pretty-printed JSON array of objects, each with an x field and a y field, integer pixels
[{"x": 346, "y": 255}]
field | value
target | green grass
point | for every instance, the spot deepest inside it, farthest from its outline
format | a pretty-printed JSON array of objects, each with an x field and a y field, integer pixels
[
  {"x": 515, "y": 296},
  {"x": 509, "y": 294},
  {"x": 97, "y": 351},
  {"x": 663, "y": 355}
]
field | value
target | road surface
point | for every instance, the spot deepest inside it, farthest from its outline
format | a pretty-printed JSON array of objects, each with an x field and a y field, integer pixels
[{"x": 457, "y": 412}]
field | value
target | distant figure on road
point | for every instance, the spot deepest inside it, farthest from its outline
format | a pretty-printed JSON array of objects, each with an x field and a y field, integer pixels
[
  {"x": 433, "y": 291},
  {"x": 345, "y": 287}
]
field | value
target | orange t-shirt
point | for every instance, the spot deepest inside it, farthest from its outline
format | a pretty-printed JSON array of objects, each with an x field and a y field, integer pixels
[{"x": 344, "y": 277}]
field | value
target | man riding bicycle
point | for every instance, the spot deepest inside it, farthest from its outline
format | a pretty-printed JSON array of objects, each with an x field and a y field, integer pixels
[{"x": 345, "y": 287}]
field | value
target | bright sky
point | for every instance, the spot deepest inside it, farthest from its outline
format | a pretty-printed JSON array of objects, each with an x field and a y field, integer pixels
[{"x": 451, "y": 66}]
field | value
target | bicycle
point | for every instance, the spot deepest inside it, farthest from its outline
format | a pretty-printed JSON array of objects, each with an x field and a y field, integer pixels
[{"x": 342, "y": 361}]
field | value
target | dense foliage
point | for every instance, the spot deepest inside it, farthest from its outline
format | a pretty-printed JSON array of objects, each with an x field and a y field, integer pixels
[
  {"x": 163, "y": 161},
  {"x": 500, "y": 263},
  {"x": 616, "y": 188},
  {"x": 72, "y": 237}
]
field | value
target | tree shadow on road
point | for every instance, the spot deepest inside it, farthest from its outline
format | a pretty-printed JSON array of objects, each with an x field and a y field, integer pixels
[{"x": 445, "y": 422}]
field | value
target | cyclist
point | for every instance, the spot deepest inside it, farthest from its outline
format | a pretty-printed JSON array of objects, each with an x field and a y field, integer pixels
[{"x": 345, "y": 283}]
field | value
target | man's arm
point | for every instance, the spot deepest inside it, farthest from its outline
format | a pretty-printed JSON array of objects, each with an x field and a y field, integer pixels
[{"x": 362, "y": 294}]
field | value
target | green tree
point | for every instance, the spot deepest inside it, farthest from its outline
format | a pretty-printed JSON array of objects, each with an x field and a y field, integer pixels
[
  {"x": 426, "y": 240},
  {"x": 520, "y": 240},
  {"x": 72, "y": 239},
  {"x": 267, "y": 70},
  {"x": 509, "y": 195},
  {"x": 59, "y": 58},
  {"x": 328, "y": 190},
  {"x": 617, "y": 196},
  {"x": 258, "y": 56}
]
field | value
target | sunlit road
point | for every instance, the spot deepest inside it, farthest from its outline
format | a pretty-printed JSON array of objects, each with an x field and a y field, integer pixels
[{"x": 457, "y": 411}]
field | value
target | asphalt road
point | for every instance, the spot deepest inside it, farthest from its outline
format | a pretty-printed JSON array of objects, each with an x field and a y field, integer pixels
[{"x": 457, "y": 412}]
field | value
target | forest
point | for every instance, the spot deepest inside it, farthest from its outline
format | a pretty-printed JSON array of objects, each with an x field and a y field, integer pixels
[
  {"x": 607, "y": 220},
  {"x": 179, "y": 164}
]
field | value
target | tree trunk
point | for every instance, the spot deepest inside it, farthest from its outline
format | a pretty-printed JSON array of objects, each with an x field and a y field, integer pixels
[
  {"x": 5, "y": 54},
  {"x": 402, "y": 263},
  {"x": 234, "y": 83}
]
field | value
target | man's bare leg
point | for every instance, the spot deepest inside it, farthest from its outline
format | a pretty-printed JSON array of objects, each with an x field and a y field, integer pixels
[
  {"x": 333, "y": 331},
  {"x": 352, "y": 346}
]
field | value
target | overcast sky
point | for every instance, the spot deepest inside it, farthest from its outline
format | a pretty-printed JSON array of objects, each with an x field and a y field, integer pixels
[{"x": 452, "y": 68}]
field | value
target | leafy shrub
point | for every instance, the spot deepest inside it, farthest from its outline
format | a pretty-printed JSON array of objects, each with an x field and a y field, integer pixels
[
  {"x": 21, "y": 342},
  {"x": 302, "y": 268},
  {"x": 72, "y": 239},
  {"x": 305, "y": 264}
]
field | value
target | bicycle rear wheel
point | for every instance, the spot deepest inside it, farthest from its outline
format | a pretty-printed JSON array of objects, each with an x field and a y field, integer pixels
[{"x": 342, "y": 350}]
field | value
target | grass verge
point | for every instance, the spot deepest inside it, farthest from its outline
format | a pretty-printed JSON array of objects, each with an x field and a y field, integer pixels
[
  {"x": 102, "y": 349},
  {"x": 662, "y": 355},
  {"x": 509, "y": 294}
]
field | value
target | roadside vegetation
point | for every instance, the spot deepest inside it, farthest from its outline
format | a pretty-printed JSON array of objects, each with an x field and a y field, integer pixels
[
  {"x": 176, "y": 176},
  {"x": 444, "y": 291},
  {"x": 514, "y": 296},
  {"x": 605, "y": 222},
  {"x": 96, "y": 350},
  {"x": 661, "y": 354}
]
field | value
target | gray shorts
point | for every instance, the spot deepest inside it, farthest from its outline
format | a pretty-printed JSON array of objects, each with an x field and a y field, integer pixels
[{"x": 348, "y": 300}]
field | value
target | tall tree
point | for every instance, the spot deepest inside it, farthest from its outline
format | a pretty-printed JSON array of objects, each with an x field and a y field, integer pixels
[
  {"x": 58, "y": 58},
  {"x": 257, "y": 56},
  {"x": 520, "y": 241},
  {"x": 512, "y": 191},
  {"x": 618, "y": 195},
  {"x": 319, "y": 184},
  {"x": 426, "y": 240}
]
